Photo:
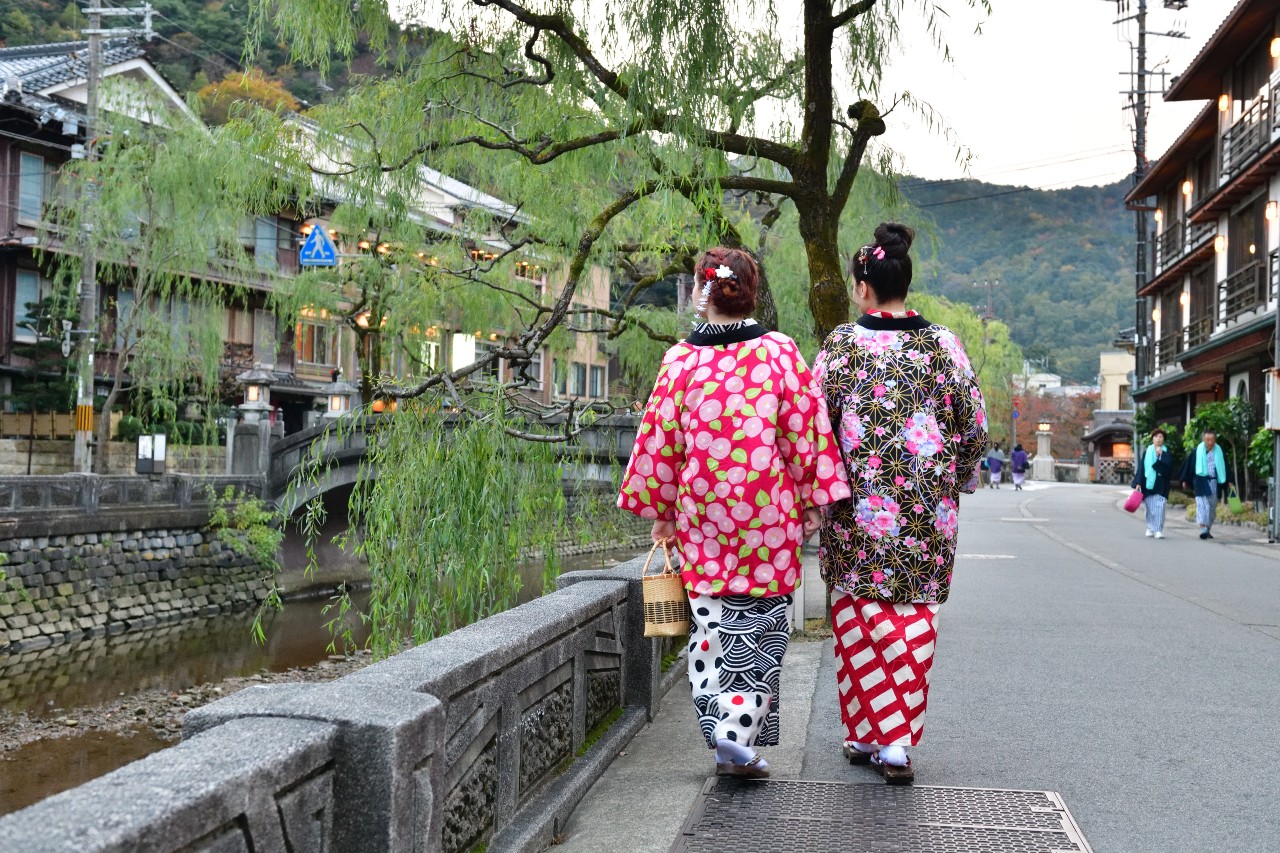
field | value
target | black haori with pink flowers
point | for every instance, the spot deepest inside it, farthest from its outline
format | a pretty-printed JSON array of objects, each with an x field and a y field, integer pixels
[{"x": 736, "y": 647}]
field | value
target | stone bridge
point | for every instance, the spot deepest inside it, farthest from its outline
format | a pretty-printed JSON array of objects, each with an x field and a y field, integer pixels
[{"x": 606, "y": 443}]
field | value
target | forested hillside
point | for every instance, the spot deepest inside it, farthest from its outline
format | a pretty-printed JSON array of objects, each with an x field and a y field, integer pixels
[
  {"x": 1064, "y": 260},
  {"x": 199, "y": 42}
]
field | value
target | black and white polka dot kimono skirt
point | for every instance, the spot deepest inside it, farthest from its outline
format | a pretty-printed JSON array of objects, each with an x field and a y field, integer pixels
[{"x": 736, "y": 646}]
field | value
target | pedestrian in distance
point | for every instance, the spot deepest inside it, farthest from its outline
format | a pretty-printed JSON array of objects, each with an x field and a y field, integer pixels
[
  {"x": 911, "y": 423},
  {"x": 1153, "y": 477},
  {"x": 1205, "y": 472},
  {"x": 1018, "y": 467},
  {"x": 995, "y": 464},
  {"x": 734, "y": 456}
]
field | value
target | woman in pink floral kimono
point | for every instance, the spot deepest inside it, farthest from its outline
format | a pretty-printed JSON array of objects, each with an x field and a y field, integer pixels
[
  {"x": 733, "y": 458},
  {"x": 911, "y": 426}
]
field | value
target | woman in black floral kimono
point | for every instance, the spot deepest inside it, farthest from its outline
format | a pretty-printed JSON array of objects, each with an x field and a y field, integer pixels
[{"x": 911, "y": 424}]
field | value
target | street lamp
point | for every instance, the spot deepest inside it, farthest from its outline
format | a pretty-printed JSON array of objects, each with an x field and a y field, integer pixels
[
  {"x": 338, "y": 396},
  {"x": 1044, "y": 426},
  {"x": 257, "y": 393}
]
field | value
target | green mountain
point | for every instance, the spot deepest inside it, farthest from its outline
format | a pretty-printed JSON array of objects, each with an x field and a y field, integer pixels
[
  {"x": 199, "y": 42},
  {"x": 1063, "y": 260}
]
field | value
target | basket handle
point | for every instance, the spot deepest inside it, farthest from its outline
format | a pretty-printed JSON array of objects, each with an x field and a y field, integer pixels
[{"x": 666, "y": 552}]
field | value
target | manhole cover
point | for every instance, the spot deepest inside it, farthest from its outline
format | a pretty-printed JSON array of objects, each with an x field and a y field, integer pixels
[{"x": 816, "y": 817}]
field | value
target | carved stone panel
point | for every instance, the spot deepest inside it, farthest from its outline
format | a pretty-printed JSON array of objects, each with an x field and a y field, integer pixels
[
  {"x": 604, "y": 693},
  {"x": 306, "y": 814},
  {"x": 469, "y": 808},
  {"x": 546, "y": 736}
]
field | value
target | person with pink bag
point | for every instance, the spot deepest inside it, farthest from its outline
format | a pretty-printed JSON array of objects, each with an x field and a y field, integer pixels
[{"x": 1152, "y": 480}]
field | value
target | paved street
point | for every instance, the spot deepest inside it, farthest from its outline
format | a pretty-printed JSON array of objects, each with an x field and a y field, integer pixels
[{"x": 1136, "y": 677}]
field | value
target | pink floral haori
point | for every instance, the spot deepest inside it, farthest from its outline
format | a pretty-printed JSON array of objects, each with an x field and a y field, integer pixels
[
  {"x": 735, "y": 444},
  {"x": 912, "y": 426}
]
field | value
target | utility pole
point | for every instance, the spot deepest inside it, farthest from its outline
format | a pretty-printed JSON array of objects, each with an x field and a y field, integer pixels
[
  {"x": 1137, "y": 102},
  {"x": 88, "y": 286},
  {"x": 990, "y": 286}
]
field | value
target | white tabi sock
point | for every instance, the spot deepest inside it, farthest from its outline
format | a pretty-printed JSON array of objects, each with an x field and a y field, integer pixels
[
  {"x": 732, "y": 752},
  {"x": 894, "y": 755}
]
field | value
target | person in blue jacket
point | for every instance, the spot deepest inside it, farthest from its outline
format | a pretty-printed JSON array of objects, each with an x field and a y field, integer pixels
[
  {"x": 1206, "y": 471},
  {"x": 1153, "y": 478}
]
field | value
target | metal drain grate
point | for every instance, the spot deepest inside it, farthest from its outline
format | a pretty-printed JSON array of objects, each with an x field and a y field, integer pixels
[{"x": 816, "y": 817}]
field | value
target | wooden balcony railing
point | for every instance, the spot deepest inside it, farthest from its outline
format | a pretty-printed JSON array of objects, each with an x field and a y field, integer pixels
[
  {"x": 1199, "y": 234},
  {"x": 1243, "y": 291},
  {"x": 1248, "y": 136},
  {"x": 1168, "y": 348},
  {"x": 1169, "y": 245},
  {"x": 1199, "y": 330}
]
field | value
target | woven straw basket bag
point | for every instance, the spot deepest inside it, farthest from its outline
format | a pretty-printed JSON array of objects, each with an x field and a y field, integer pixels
[{"x": 666, "y": 607}]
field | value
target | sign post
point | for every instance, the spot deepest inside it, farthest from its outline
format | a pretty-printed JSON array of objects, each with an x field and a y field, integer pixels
[{"x": 318, "y": 250}]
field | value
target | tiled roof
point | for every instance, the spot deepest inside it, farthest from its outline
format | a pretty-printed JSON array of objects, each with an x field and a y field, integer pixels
[{"x": 40, "y": 66}]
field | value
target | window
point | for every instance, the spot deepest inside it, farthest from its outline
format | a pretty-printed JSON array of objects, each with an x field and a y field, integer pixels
[
  {"x": 37, "y": 180},
  {"x": 535, "y": 371},
  {"x": 528, "y": 271},
  {"x": 264, "y": 338},
  {"x": 493, "y": 370},
  {"x": 1247, "y": 236},
  {"x": 597, "y": 382},
  {"x": 578, "y": 380},
  {"x": 561, "y": 377},
  {"x": 237, "y": 326},
  {"x": 31, "y": 290},
  {"x": 316, "y": 343},
  {"x": 264, "y": 242},
  {"x": 126, "y": 303},
  {"x": 429, "y": 355}
]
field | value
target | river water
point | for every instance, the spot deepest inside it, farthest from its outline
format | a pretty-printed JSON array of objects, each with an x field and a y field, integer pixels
[{"x": 53, "y": 683}]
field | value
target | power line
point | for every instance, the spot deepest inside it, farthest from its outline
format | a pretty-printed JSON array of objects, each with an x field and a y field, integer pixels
[
  {"x": 235, "y": 62},
  {"x": 1025, "y": 168},
  {"x": 186, "y": 49},
  {"x": 1055, "y": 185}
]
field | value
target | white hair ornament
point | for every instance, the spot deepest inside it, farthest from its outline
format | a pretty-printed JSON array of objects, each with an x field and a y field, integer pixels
[{"x": 708, "y": 275}]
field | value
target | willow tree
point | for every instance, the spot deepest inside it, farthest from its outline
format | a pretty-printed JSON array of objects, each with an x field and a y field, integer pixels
[
  {"x": 617, "y": 131},
  {"x": 586, "y": 114},
  {"x": 159, "y": 209}
]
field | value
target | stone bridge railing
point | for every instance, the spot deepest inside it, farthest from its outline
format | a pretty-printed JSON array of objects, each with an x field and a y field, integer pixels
[
  {"x": 67, "y": 502},
  {"x": 605, "y": 443},
  {"x": 488, "y": 736}
]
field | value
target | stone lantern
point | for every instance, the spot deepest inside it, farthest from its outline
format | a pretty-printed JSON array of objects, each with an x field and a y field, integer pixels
[
  {"x": 1042, "y": 467},
  {"x": 257, "y": 393},
  {"x": 338, "y": 396}
]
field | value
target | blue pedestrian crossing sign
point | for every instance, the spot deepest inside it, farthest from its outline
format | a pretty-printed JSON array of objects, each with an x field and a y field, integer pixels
[{"x": 318, "y": 250}]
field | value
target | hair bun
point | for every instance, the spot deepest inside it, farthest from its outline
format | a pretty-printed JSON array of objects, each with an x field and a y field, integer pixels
[{"x": 895, "y": 238}]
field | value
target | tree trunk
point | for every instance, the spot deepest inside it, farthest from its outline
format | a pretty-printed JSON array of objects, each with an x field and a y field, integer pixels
[
  {"x": 828, "y": 293},
  {"x": 103, "y": 432}
]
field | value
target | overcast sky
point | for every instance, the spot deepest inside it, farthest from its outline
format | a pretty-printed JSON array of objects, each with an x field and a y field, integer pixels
[{"x": 1036, "y": 95}]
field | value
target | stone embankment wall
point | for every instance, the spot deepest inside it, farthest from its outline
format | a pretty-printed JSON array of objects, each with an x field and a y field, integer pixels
[
  {"x": 87, "y": 556},
  {"x": 63, "y": 588},
  {"x": 486, "y": 738}
]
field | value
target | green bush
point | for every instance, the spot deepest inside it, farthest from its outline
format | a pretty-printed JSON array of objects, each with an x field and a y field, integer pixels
[
  {"x": 129, "y": 429},
  {"x": 1260, "y": 450}
]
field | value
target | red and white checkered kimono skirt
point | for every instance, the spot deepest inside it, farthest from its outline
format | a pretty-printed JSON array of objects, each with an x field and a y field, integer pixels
[{"x": 884, "y": 652}]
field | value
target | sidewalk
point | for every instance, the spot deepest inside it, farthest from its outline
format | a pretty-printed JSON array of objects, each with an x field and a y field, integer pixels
[
  {"x": 645, "y": 794},
  {"x": 1133, "y": 676}
]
